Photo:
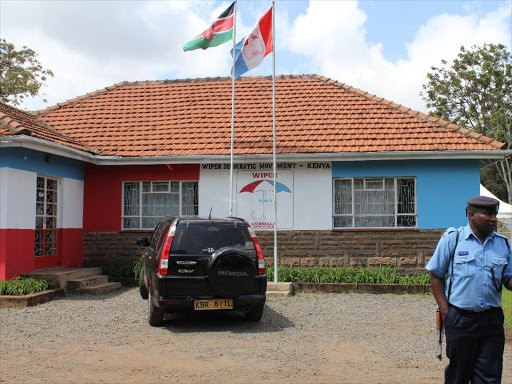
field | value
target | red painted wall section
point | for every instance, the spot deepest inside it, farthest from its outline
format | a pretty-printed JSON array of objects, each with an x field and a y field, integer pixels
[
  {"x": 70, "y": 255},
  {"x": 16, "y": 252},
  {"x": 103, "y": 189},
  {"x": 46, "y": 261}
]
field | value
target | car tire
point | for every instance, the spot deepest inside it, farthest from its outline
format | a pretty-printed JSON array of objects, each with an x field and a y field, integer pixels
[
  {"x": 231, "y": 272},
  {"x": 142, "y": 285},
  {"x": 155, "y": 317},
  {"x": 255, "y": 313}
]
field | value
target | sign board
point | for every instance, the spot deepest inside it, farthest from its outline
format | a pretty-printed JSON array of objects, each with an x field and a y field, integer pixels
[
  {"x": 255, "y": 198},
  {"x": 304, "y": 194}
]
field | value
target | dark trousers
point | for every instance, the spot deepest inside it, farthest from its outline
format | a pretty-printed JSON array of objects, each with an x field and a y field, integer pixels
[{"x": 474, "y": 344}]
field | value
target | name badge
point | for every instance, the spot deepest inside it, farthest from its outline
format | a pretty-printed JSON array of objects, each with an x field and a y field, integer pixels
[{"x": 463, "y": 253}]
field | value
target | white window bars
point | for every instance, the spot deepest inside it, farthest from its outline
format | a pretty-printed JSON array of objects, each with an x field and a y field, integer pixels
[
  {"x": 46, "y": 216},
  {"x": 388, "y": 202},
  {"x": 145, "y": 203}
]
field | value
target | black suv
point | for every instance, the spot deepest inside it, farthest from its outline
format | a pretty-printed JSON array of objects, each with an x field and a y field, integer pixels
[{"x": 203, "y": 264}]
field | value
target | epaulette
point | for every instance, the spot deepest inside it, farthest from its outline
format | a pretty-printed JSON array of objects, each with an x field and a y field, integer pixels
[
  {"x": 504, "y": 238},
  {"x": 500, "y": 235},
  {"x": 452, "y": 230}
]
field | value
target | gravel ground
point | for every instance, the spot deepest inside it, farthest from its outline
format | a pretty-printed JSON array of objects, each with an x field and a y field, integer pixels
[{"x": 327, "y": 338}]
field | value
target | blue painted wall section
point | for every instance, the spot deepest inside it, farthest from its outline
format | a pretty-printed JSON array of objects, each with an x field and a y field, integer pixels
[
  {"x": 443, "y": 186},
  {"x": 35, "y": 161}
]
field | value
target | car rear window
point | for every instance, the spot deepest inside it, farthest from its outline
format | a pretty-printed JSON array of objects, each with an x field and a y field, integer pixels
[{"x": 199, "y": 237}]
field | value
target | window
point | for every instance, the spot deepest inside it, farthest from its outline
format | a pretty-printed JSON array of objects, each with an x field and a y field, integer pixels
[
  {"x": 46, "y": 217},
  {"x": 145, "y": 203},
  {"x": 374, "y": 203}
]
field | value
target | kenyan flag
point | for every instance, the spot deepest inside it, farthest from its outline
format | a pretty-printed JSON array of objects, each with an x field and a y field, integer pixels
[{"x": 220, "y": 32}]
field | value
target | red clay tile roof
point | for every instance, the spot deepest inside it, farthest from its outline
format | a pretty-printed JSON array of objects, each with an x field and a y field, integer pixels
[
  {"x": 193, "y": 117},
  {"x": 16, "y": 122}
]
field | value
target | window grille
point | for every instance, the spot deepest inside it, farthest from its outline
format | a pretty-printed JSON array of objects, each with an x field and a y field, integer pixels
[
  {"x": 146, "y": 203},
  {"x": 46, "y": 217},
  {"x": 374, "y": 202}
]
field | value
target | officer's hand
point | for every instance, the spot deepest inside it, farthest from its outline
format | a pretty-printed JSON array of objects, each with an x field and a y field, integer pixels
[{"x": 444, "y": 311}]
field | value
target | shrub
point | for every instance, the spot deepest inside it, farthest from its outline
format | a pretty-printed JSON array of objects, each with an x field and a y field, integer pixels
[
  {"x": 116, "y": 269},
  {"x": 120, "y": 269},
  {"x": 137, "y": 266},
  {"x": 347, "y": 275},
  {"x": 23, "y": 286}
]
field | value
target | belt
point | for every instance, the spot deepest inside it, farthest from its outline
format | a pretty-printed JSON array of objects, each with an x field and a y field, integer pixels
[{"x": 472, "y": 310}]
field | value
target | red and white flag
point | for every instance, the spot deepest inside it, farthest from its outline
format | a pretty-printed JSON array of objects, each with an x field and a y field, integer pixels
[{"x": 251, "y": 50}]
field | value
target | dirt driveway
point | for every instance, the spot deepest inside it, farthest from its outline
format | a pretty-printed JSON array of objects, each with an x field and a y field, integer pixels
[{"x": 330, "y": 338}]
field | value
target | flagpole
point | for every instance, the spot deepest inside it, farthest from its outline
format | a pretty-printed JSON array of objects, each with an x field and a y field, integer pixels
[
  {"x": 274, "y": 136},
  {"x": 232, "y": 117}
]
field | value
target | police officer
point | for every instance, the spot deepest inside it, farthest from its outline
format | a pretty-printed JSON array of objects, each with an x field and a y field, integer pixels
[{"x": 467, "y": 271}]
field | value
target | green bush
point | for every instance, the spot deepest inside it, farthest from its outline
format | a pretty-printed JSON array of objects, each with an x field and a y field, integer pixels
[
  {"x": 116, "y": 269},
  {"x": 347, "y": 275},
  {"x": 380, "y": 275},
  {"x": 137, "y": 266},
  {"x": 23, "y": 286}
]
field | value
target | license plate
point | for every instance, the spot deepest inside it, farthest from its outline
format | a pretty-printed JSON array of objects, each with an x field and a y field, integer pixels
[{"x": 202, "y": 305}]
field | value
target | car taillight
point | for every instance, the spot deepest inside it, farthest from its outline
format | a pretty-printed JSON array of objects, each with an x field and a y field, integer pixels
[
  {"x": 164, "y": 257},
  {"x": 261, "y": 260}
]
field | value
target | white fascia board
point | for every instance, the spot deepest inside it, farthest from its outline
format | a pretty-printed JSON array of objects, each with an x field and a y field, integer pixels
[
  {"x": 305, "y": 157},
  {"x": 41, "y": 145},
  {"x": 62, "y": 150}
]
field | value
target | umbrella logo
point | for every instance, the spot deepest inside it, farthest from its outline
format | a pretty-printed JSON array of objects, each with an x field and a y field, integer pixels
[{"x": 264, "y": 186}]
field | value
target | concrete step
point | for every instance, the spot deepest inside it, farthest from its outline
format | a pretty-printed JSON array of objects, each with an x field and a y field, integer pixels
[
  {"x": 83, "y": 272},
  {"x": 101, "y": 288},
  {"x": 60, "y": 276},
  {"x": 78, "y": 284},
  {"x": 271, "y": 286},
  {"x": 279, "y": 289}
]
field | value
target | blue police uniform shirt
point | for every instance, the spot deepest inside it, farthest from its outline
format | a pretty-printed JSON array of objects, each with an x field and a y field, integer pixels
[{"x": 473, "y": 287}]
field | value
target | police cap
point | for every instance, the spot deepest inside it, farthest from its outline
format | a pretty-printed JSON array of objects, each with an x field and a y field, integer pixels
[{"x": 484, "y": 202}]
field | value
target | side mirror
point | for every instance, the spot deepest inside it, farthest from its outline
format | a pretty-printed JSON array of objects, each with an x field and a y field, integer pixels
[{"x": 143, "y": 242}]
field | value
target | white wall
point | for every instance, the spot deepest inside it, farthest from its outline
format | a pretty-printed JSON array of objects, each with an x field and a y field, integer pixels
[
  {"x": 214, "y": 193},
  {"x": 17, "y": 199},
  {"x": 304, "y": 201},
  {"x": 313, "y": 199},
  {"x": 72, "y": 203}
]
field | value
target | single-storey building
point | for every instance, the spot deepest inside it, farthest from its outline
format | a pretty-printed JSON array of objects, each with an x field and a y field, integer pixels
[
  {"x": 360, "y": 179},
  {"x": 41, "y": 195}
]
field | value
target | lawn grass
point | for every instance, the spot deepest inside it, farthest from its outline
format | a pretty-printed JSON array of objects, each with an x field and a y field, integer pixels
[{"x": 507, "y": 307}]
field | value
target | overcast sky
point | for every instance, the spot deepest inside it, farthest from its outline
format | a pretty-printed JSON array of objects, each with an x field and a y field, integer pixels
[{"x": 383, "y": 47}]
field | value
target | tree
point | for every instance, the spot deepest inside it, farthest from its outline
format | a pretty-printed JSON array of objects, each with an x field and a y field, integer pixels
[
  {"x": 475, "y": 92},
  {"x": 21, "y": 74}
]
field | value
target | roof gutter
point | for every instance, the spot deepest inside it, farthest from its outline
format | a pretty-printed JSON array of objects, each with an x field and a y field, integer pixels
[
  {"x": 65, "y": 151},
  {"x": 307, "y": 157},
  {"x": 36, "y": 144}
]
